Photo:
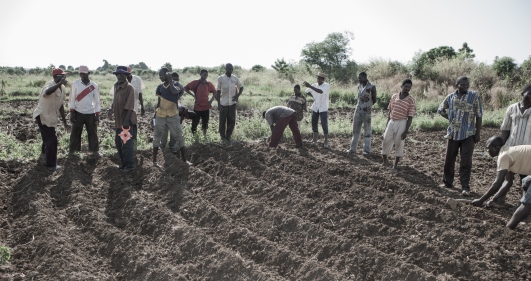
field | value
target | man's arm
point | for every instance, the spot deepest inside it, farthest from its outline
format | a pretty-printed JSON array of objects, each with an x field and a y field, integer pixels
[
  {"x": 442, "y": 108},
  {"x": 141, "y": 100},
  {"x": 317, "y": 90},
  {"x": 62, "y": 112},
  {"x": 477, "y": 136},
  {"x": 505, "y": 135},
  {"x": 187, "y": 90},
  {"x": 373, "y": 94},
  {"x": 408, "y": 124},
  {"x": 500, "y": 177},
  {"x": 52, "y": 89}
]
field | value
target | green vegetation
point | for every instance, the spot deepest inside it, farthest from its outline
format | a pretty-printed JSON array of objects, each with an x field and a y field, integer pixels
[{"x": 5, "y": 255}]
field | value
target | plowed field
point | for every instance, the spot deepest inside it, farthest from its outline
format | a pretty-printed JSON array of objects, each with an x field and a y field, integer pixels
[{"x": 246, "y": 212}]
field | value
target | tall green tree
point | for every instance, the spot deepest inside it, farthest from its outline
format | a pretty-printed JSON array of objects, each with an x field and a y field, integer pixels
[
  {"x": 331, "y": 56},
  {"x": 465, "y": 52},
  {"x": 504, "y": 67}
]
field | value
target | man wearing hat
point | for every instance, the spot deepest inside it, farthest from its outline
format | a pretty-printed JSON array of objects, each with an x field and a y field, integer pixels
[
  {"x": 123, "y": 107},
  {"x": 51, "y": 100},
  {"x": 320, "y": 92},
  {"x": 84, "y": 104}
]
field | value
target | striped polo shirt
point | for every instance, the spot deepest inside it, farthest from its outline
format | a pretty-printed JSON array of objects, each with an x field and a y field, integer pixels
[
  {"x": 519, "y": 125},
  {"x": 401, "y": 108}
]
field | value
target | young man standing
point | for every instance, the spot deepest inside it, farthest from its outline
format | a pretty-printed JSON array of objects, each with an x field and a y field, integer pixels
[
  {"x": 202, "y": 105},
  {"x": 515, "y": 130},
  {"x": 227, "y": 98},
  {"x": 164, "y": 138},
  {"x": 123, "y": 108},
  {"x": 401, "y": 112},
  {"x": 517, "y": 160},
  {"x": 84, "y": 105},
  {"x": 362, "y": 115},
  {"x": 167, "y": 114},
  {"x": 297, "y": 102},
  {"x": 139, "y": 86},
  {"x": 51, "y": 100},
  {"x": 278, "y": 118},
  {"x": 320, "y": 92},
  {"x": 464, "y": 110}
]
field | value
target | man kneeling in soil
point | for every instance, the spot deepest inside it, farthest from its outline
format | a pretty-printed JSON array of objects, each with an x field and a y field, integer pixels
[
  {"x": 516, "y": 159},
  {"x": 278, "y": 118}
]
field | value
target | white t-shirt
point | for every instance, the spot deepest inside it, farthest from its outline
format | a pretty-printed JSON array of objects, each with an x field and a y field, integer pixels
[
  {"x": 320, "y": 103},
  {"x": 89, "y": 95}
]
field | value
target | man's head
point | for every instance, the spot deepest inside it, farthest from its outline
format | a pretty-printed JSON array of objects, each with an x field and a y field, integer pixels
[
  {"x": 462, "y": 84},
  {"x": 228, "y": 69},
  {"x": 58, "y": 74},
  {"x": 406, "y": 85},
  {"x": 162, "y": 74},
  {"x": 526, "y": 96},
  {"x": 321, "y": 78},
  {"x": 121, "y": 73},
  {"x": 297, "y": 89},
  {"x": 204, "y": 74},
  {"x": 175, "y": 76},
  {"x": 362, "y": 78},
  {"x": 493, "y": 145},
  {"x": 84, "y": 73}
]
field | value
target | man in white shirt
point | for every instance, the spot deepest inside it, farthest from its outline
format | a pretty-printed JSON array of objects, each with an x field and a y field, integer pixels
[
  {"x": 138, "y": 85},
  {"x": 320, "y": 92},
  {"x": 84, "y": 104},
  {"x": 228, "y": 91}
]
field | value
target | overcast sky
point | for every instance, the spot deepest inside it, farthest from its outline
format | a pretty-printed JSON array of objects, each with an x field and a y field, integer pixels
[{"x": 209, "y": 33}]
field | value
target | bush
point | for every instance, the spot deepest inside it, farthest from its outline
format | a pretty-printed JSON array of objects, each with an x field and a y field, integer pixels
[
  {"x": 257, "y": 68},
  {"x": 504, "y": 67}
]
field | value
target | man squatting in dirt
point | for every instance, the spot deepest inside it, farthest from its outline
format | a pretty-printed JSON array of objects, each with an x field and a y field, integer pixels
[
  {"x": 320, "y": 92},
  {"x": 228, "y": 90},
  {"x": 123, "y": 108},
  {"x": 84, "y": 105},
  {"x": 278, "y": 118},
  {"x": 202, "y": 105},
  {"x": 167, "y": 114},
  {"x": 297, "y": 102},
  {"x": 362, "y": 115},
  {"x": 51, "y": 100},
  {"x": 463, "y": 109},
  {"x": 515, "y": 159},
  {"x": 401, "y": 112},
  {"x": 515, "y": 130}
]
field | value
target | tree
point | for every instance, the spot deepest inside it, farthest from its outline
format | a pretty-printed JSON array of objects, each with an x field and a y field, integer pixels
[
  {"x": 61, "y": 66},
  {"x": 421, "y": 65},
  {"x": 257, "y": 68},
  {"x": 465, "y": 52},
  {"x": 331, "y": 56},
  {"x": 168, "y": 66},
  {"x": 504, "y": 67},
  {"x": 525, "y": 69},
  {"x": 284, "y": 69},
  {"x": 105, "y": 66}
]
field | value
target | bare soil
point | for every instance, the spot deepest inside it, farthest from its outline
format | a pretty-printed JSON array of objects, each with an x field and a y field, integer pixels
[{"x": 246, "y": 212}]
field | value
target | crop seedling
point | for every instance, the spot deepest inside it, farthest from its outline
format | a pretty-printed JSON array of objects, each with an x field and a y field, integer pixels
[{"x": 5, "y": 255}]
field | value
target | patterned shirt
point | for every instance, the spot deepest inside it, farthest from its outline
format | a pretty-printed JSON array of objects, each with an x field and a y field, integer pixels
[
  {"x": 365, "y": 97},
  {"x": 519, "y": 124},
  {"x": 401, "y": 108},
  {"x": 298, "y": 103},
  {"x": 462, "y": 113}
]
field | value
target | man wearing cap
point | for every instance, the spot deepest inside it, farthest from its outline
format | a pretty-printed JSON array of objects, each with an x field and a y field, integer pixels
[
  {"x": 278, "y": 118},
  {"x": 227, "y": 96},
  {"x": 123, "y": 108},
  {"x": 51, "y": 100},
  {"x": 362, "y": 115},
  {"x": 84, "y": 104},
  {"x": 320, "y": 92}
]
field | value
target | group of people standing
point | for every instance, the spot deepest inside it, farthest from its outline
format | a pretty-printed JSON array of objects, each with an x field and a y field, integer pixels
[{"x": 463, "y": 109}]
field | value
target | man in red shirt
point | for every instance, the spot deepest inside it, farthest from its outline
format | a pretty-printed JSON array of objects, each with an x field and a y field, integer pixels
[{"x": 201, "y": 89}]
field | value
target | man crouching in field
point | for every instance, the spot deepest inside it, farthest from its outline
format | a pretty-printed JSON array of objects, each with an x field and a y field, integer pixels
[
  {"x": 123, "y": 107},
  {"x": 278, "y": 118},
  {"x": 51, "y": 100},
  {"x": 516, "y": 159}
]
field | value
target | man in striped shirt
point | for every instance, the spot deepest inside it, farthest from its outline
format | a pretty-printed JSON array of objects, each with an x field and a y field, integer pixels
[
  {"x": 401, "y": 112},
  {"x": 463, "y": 109},
  {"x": 515, "y": 130}
]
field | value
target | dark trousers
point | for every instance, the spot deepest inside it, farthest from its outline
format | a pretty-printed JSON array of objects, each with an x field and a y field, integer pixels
[
  {"x": 49, "y": 143},
  {"x": 126, "y": 150},
  {"x": 324, "y": 121},
  {"x": 281, "y": 125},
  {"x": 89, "y": 121},
  {"x": 466, "y": 148},
  {"x": 227, "y": 121},
  {"x": 204, "y": 115}
]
